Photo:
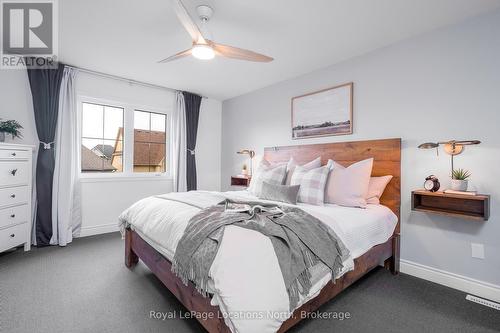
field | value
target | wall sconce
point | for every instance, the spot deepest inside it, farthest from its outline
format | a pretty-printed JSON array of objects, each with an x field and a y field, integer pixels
[
  {"x": 452, "y": 147},
  {"x": 251, "y": 155}
]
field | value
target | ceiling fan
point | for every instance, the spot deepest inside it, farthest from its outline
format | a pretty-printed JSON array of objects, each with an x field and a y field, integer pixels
[{"x": 204, "y": 48}]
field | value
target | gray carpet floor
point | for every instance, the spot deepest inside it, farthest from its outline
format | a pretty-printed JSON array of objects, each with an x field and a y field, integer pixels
[{"x": 85, "y": 287}]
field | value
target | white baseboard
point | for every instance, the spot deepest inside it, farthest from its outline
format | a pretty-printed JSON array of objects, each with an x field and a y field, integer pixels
[
  {"x": 98, "y": 229},
  {"x": 455, "y": 281}
]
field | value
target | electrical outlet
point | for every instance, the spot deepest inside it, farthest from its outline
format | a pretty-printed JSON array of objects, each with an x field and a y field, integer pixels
[{"x": 477, "y": 250}]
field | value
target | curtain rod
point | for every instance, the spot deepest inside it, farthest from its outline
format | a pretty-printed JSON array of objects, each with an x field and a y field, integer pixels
[{"x": 123, "y": 79}]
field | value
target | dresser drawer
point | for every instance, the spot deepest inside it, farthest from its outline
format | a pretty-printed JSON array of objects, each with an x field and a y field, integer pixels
[
  {"x": 14, "y": 196},
  {"x": 13, "y": 215},
  {"x": 12, "y": 154},
  {"x": 14, "y": 173},
  {"x": 13, "y": 236}
]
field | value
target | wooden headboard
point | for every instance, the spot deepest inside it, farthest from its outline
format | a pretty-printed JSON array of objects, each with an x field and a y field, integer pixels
[{"x": 386, "y": 155}]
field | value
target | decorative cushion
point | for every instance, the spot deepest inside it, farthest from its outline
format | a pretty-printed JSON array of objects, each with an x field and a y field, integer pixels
[
  {"x": 349, "y": 186},
  {"x": 283, "y": 193},
  {"x": 312, "y": 184},
  {"x": 292, "y": 164},
  {"x": 273, "y": 174},
  {"x": 376, "y": 188}
]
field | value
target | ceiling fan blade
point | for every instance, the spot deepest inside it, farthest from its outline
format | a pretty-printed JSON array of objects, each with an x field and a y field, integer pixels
[
  {"x": 187, "y": 22},
  {"x": 237, "y": 53},
  {"x": 176, "y": 56}
]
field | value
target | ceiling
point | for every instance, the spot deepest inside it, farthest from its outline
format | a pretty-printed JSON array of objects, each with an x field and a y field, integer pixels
[{"x": 128, "y": 37}]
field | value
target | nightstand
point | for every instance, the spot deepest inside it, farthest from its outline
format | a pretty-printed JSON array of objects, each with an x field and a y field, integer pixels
[
  {"x": 240, "y": 180},
  {"x": 474, "y": 207}
]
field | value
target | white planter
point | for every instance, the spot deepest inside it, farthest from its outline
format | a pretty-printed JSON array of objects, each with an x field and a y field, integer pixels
[{"x": 459, "y": 185}]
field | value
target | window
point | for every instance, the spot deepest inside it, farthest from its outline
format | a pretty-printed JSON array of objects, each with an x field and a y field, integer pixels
[
  {"x": 102, "y": 138},
  {"x": 119, "y": 139},
  {"x": 149, "y": 142}
]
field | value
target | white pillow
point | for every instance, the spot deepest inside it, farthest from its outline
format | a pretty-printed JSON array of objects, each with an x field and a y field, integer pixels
[
  {"x": 349, "y": 186},
  {"x": 312, "y": 184},
  {"x": 376, "y": 188},
  {"x": 292, "y": 164},
  {"x": 271, "y": 173}
]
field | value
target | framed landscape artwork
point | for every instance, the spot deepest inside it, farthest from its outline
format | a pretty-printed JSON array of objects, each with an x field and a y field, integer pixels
[{"x": 323, "y": 113}]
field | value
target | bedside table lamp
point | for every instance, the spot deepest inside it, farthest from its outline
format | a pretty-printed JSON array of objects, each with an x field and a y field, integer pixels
[
  {"x": 251, "y": 154},
  {"x": 451, "y": 147}
]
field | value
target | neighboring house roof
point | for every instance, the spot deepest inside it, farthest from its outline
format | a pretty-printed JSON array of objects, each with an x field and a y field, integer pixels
[
  {"x": 149, "y": 147},
  {"x": 93, "y": 162},
  {"x": 104, "y": 151}
]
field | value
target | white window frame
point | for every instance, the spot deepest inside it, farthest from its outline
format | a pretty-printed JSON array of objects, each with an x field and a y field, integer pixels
[{"x": 128, "y": 139}]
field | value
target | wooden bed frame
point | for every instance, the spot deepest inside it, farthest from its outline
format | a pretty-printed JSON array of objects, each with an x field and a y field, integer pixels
[{"x": 387, "y": 161}]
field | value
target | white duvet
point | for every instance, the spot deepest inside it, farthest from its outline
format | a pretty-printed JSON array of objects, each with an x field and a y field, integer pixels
[{"x": 246, "y": 280}]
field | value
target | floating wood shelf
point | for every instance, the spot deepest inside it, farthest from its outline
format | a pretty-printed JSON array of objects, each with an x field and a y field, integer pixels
[
  {"x": 240, "y": 181},
  {"x": 474, "y": 207}
]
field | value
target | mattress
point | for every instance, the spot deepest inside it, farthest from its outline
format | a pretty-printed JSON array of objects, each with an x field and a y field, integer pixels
[
  {"x": 359, "y": 229},
  {"x": 245, "y": 288}
]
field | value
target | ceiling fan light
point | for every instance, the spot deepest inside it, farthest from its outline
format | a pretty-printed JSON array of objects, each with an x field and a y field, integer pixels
[{"x": 203, "y": 52}]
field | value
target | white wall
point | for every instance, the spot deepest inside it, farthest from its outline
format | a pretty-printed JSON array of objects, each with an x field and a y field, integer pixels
[
  {"x": 16, "y": 103},
  {"x": 438, "y": 86},
  {"x": 99, "y": 211},
  {"x": 104, "y": 200}
]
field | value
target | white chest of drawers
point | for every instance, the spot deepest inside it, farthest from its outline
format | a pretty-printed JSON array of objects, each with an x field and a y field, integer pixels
[{"x": 15, "y": 195}]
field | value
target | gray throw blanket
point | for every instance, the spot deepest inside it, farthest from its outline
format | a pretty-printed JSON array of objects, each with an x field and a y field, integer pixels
[{"x": 299, "y": 240}]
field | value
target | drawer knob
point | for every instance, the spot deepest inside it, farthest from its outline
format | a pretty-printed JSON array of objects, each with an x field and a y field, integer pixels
[
  {"x": 13, "y": 215},
  {"x": 13, "y": 172},
  {"x": 14, "y": 154},
  {"x": 12, "y": 235},
  {"x": 12, "y": 196}
]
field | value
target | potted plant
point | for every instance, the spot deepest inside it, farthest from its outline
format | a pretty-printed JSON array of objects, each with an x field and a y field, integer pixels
[
  {"x": 11, "y": 127},
  {"x": 459, "y": 179}
]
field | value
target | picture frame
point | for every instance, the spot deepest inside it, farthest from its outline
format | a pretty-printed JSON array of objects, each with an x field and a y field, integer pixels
[{"x": 326, "y": 112}]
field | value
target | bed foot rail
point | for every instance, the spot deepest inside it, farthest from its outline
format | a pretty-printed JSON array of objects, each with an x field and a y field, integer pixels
[{"x": 131, "y": 259}]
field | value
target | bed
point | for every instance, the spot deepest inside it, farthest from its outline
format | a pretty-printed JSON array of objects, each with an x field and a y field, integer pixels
[{"x": 372, "y": 236}]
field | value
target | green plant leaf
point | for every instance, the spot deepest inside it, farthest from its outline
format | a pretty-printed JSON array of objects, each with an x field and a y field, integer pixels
[
  {"x": 460, "y": 174},
  {"x": 11, "y": 127}
]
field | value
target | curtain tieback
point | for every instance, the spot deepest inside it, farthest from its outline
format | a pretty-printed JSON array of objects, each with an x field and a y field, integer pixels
[
  {"x": 46, "y": 145},
  {"x": 191, "y": 151}
]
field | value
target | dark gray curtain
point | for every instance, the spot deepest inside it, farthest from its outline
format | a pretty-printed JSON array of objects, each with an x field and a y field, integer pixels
[
  {"x": 45, "y": 84},
  {"x": 193, "y": 103}
]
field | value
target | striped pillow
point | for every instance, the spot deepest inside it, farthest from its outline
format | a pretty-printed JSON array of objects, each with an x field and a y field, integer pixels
[
  {"x": 316, "y": 163},
  {"x": 312, "y": 184},
  {"x": 272, "y": 174}
]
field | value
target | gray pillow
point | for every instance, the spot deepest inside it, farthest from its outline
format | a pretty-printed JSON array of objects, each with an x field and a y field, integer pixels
[{"x": 283, "y": 193}]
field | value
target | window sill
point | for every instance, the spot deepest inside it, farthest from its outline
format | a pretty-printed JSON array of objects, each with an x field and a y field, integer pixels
[{"x": 123, "y": 178}]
